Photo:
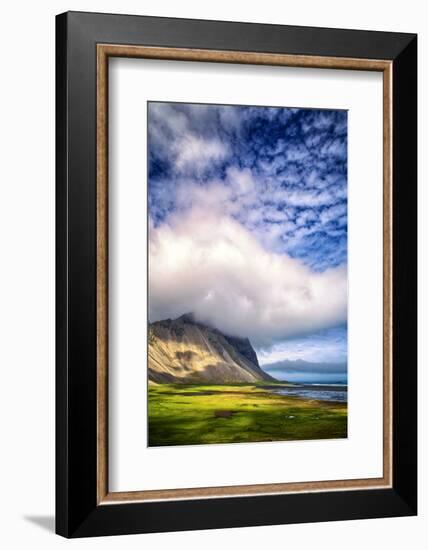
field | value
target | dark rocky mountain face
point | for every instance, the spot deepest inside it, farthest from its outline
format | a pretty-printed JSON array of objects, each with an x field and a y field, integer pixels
[
  {"x": 184, "y": 351},
  {"x": 244, "y": 347}
]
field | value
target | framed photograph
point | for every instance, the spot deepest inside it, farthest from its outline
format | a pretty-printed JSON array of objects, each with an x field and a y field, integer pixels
[{"x": 236, "y": 274}]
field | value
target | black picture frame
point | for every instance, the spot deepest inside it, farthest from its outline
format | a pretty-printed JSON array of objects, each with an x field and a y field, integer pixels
[{"x": 77, "y": 511}]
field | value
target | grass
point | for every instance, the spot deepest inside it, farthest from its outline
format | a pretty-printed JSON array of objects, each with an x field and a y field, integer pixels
[{"x": 238, "y": 413}]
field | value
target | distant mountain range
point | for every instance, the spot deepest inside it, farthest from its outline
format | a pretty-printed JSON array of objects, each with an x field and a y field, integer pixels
[
  {"x": 186, "y": 351},
  {"x": 299, "y": 365}
]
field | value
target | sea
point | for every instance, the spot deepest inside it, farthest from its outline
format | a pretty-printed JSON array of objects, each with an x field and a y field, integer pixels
[{"x": 319, "y": 392}]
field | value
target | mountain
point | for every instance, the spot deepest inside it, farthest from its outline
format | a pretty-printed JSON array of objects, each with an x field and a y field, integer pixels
[
  {"x": 186, "y": 351},
  {"x": 301, "y": 371},
  {"x": 299, "y": 365}
]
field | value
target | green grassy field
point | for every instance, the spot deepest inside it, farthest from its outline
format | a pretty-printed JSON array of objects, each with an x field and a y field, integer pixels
[{"x": 200, "y": 414}]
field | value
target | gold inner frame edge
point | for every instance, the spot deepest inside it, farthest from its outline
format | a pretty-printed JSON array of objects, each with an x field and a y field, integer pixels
[{"x": 104, "y": 51}]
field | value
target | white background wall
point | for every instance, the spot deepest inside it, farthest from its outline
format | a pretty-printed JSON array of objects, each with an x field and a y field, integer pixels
[{"x": 27, "y": 88}]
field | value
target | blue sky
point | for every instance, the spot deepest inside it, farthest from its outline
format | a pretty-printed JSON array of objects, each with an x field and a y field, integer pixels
[{"x": 271, "y": 182}]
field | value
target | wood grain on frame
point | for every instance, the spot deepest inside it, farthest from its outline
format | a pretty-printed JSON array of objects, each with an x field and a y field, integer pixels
[
  {"x": 102, "y": 275},
  {"x": 104, "y": 51}
]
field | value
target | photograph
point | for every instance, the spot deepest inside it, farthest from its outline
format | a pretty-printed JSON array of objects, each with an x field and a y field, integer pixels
[{"x": 247, "y": 273}]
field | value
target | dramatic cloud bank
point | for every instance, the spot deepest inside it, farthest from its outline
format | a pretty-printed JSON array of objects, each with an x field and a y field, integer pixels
[
  {"x": 216, "y": 268},
  {"x": 248, "y": 221}
]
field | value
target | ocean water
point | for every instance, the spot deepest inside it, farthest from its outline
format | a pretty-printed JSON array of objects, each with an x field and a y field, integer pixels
[{"x": 320, "y": 392}]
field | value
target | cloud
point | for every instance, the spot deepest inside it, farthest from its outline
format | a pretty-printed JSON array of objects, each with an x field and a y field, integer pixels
[
  {"x": 171, "y": 136},
  {"x": 195, "y": 154},
  {"x": 325, "y": 346},
  {"x": 203, "y": 261},
  {"x": 248, "y": 224},
  {"x": 279, "y": 172}
]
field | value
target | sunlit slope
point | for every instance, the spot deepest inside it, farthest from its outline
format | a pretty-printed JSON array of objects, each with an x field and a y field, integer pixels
[{"x": 185, "y": 351}]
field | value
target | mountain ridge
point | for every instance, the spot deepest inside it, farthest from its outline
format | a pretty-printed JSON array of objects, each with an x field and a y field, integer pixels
[
  {"x": 300, "y": 365},
  {"x": 185, "y": 350}
]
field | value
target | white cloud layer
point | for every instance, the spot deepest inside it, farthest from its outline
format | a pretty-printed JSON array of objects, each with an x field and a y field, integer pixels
[
  {"x": 212, "y": 265},
  {"x": 190, "y": 153}
]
